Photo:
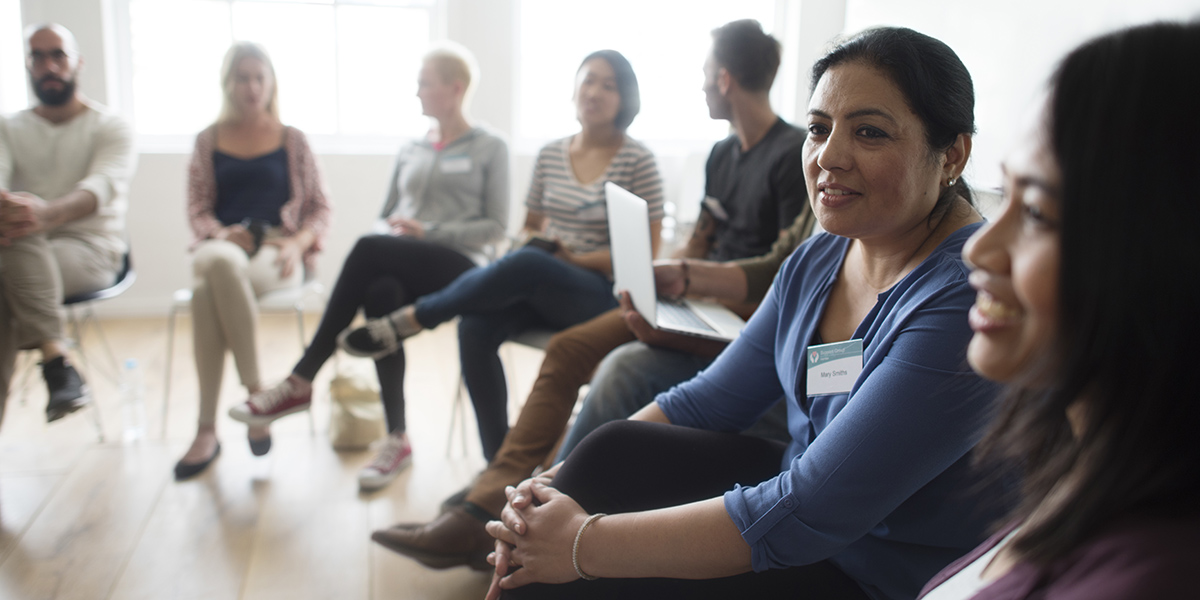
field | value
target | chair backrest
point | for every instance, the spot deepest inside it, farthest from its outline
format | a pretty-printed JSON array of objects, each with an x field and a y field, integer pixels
[{"x": 125, "y": 279}]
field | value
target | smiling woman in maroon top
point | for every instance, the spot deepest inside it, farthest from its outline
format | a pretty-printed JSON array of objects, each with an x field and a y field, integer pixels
[{"x": 1087, "y": 290}]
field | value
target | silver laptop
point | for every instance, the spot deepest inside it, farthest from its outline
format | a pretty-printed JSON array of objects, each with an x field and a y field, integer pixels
[{"x": 633, "y": 271}]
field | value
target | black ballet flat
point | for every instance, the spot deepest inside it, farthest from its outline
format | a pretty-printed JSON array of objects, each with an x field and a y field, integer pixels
[{"x": 188, "y": 470}]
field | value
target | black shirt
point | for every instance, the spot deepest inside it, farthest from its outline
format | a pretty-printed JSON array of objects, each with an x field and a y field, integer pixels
[{"x": 761, "y": 190}]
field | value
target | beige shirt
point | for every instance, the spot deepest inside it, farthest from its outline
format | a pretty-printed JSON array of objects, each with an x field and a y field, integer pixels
[{"x": 93, "y": 152}]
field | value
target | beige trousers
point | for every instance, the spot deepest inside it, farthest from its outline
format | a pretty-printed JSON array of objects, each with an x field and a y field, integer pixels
[
  {"x": 36, "y": 272},
  {"x": 226, "y": 286}
]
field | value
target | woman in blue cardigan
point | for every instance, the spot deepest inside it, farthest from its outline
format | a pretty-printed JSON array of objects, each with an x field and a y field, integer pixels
[{"x": 864, "y": 334}]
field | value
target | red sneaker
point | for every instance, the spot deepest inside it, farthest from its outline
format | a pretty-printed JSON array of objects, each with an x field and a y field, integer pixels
[
  {"x": 393, "y": 457},
  {"x": 270, "y": 404}
]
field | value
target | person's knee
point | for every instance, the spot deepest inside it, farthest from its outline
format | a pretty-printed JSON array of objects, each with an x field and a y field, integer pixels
[
  {"x": 619, "y": 431},
  {"x": 624, "y": 382},
  {"x": 522, "y": 263},
  {"x": 218, "y": 256},
  {"x": 30, "y": 244},
  {"x": 621, "y": 372},
  {"x": 614, "y": 441},
  {"x": 383, "y": 296},
  {"x": 24, "y": 255},
  {"x": 368, "y": 247},
  {"x": 626, "y": 358}
]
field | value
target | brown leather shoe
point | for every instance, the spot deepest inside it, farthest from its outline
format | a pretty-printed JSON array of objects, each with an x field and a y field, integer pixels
[
  {"x": 455, "y": 499},
  {"x": 453, "y": 539}
]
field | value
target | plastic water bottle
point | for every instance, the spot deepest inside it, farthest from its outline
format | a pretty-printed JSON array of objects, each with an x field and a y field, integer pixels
[{"x": 133, "y": 402}]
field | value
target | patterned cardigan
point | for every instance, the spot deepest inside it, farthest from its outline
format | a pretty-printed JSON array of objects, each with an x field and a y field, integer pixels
[{"x": 307, "y": 206}]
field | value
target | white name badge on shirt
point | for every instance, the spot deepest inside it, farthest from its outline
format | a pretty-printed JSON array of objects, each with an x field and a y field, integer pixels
[
  {"x": 456, "y": 164},
  {"x": 833, "y": 368}
]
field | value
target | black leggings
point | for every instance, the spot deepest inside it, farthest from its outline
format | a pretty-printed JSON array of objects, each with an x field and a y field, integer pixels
[
  {"x": 381, "y": 274},
  {"x": 628, "y": 466}
]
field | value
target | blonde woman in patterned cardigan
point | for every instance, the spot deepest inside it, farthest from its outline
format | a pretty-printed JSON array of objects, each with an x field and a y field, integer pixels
[{"x": 259, "y": 213}]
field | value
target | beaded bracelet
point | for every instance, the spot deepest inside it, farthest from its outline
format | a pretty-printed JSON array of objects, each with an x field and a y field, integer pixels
[{"x": 575, "y": 548}]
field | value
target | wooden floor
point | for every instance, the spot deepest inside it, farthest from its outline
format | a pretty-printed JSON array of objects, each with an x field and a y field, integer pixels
[{"x": 81, "y": 519}]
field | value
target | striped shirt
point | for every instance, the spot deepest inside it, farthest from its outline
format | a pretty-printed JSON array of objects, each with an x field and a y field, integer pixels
[{"x": 576, "y": 212}]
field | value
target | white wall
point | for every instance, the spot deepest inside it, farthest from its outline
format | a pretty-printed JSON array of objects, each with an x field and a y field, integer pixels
[
  {"x": 88, "y": 20},
  {"x": 1010, "y": 48}
]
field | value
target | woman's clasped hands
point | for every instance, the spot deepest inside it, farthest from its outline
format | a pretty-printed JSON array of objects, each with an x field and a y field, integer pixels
[
  {"x": 291, "y": 254},
  {"x": 534, "y": 537}
]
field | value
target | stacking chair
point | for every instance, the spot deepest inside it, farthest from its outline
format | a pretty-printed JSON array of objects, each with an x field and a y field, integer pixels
[{"x": 80, "y": 313}]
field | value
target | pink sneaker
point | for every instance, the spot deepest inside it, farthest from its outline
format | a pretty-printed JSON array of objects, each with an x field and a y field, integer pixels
[
  {"x": 393, "y": 457},
  {"x": 273, "y": 403}
]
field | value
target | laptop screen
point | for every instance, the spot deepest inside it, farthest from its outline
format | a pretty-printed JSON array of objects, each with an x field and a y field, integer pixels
[{"x": 632, "y": 255}]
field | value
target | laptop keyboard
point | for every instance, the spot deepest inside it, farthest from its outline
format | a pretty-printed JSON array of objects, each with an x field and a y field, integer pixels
[{"x": 677, "y": 314}]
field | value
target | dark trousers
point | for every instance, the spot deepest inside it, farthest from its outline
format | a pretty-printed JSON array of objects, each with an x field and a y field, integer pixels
[
  {"x": 628, "y": 466},
  {"x": 527, "y": 288},
  {"x": 381, "y": 274}
]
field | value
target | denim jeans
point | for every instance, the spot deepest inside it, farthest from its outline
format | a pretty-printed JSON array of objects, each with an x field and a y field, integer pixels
[
  {"x": 626, "y": 380},
  {"x": 571, "y": 357},
  {"x": 527, "y": 288},
  {"x": 631, "y": 376}
]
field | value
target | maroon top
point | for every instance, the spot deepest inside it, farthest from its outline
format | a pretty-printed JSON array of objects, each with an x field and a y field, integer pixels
[{"x": 1136, "y": 558}]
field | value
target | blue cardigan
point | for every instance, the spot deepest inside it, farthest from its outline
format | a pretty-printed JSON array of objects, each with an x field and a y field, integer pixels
[{"x": 878, "y": 481}]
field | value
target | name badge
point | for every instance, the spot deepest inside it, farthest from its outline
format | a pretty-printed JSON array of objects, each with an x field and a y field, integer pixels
[
  {"x": 456, "y": 164},
  {"x": 833, "y": 368}
]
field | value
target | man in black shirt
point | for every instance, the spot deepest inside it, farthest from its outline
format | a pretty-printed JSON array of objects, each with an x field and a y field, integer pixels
[{"x": 754, "y": 184}]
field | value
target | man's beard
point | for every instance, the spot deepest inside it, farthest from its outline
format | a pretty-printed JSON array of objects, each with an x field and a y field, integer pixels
[{"x": 57, "y": 97}]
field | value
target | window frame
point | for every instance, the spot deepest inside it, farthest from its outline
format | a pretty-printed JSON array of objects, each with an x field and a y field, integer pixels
[
  {"x": 784, "y": 92},
  {"x": 337, "y": 143}
]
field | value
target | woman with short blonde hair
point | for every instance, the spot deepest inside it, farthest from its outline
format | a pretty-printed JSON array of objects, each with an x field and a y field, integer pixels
[{"x": 447, "y": 203}]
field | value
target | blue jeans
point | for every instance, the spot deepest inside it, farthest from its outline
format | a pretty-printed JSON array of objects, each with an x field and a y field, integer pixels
[
  {"x": 625, "y": 381},
  {"x": 527, "y": 288},
  {"x": 632, "y": 375}
]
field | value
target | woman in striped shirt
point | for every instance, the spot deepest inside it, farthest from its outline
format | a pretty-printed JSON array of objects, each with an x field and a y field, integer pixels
[{"x": 561, "y": 274}]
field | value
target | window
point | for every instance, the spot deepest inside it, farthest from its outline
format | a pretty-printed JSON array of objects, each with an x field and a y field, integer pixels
[
  {"x": 666, "y": 41},
  {"x": 345, "y": 68},
  {"x": 12, "y": 59}
]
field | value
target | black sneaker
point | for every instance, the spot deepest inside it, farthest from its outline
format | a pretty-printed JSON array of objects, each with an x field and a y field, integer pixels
[
  {"x": 68, "y": 392},
  {"x": 374, "y": 340}
]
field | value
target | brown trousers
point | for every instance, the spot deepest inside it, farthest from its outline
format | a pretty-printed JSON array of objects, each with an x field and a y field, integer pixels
[{"x": 571, "y": 358}]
